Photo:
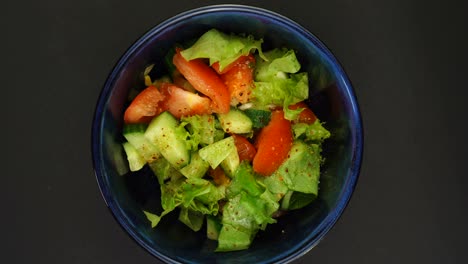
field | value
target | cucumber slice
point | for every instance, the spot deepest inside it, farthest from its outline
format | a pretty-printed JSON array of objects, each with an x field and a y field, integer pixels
[
  {"x": 135, "y": 160},
  {"x": 235, "y": 121},
  {"x": 215, "y": 153},
  {"x": 135, "y": 135},
  {"x": 163, "y": 133}
]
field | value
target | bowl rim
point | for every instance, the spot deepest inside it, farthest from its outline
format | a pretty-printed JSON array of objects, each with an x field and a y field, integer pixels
[{"x": 357, "y": 137}]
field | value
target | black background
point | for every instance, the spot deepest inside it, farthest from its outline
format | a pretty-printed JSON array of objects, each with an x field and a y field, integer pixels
[{"x": 406, "y": 60}]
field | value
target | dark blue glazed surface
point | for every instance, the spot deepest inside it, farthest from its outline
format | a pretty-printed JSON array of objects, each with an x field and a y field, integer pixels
[{"x": 333, "y": 100}]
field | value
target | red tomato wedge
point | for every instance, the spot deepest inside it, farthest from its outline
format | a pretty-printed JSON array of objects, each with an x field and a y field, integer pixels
[
  {"x": 181, "y": 82},
  {"x": 219, "y": 177},
  {"x": 306, "y": 116},
  {"x": 205, "y": 80},
  {"x": 146, "y": 105},
  {"x": 239, "y": 79},
  {"x": 245, "y": 149},
  {"x": 273, "y": 144},
  {"x": 180, "y": 102}
]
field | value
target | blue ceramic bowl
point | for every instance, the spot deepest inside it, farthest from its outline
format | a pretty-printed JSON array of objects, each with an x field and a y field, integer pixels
[{"x": 331, "y": 97}]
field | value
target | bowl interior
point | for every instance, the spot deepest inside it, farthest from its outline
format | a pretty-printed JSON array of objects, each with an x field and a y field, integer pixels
[{"x": 331, "y": 98}]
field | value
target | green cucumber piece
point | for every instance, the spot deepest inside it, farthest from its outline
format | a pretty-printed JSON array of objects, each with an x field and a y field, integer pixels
[
  {"x": 164, "y": 134},
  {"x": 196, "y": 168},
  {"x": 235, "y": 121},
  {"x": 135, "y": 135},
  {"x": 135, "y": 160},
  {"x": 215, "y": 153}
]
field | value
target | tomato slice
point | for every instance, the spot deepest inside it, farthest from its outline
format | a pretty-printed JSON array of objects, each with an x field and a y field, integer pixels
[
  {"x": 205, "y": 80},
  {"x": 180, "y": 81},
  {"x": 306, "y": 116},
  {"x": 219, "y": 177},
  {"x": 239, "y": 79},
  {"x": 245, "y": 149},
  {"x": 180, "y": 102},
  {"x": 273, "y": 144},
  {"x": 146, "y": 105}
]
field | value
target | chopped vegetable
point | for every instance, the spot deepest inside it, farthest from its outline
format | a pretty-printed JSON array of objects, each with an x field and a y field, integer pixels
[
  {"x": 245, "y": 149},
  {"x": 145, "y": 106},
  {"x": 163, "y": 133},
  {"x": 215, "y": 153},
  {"x": 273, "y": 144},
  {"x": 205, "y": 80},
  {"x": 314, "y": 132},
  {"x": 235, "y": 121},
  {"x": 306, "y": 115},
  {"x": 260, "y": 118},
  {"x": 279, "y": 83},
  {"x": 180, "y": 102},
  {"x": 239, "y": 79}
]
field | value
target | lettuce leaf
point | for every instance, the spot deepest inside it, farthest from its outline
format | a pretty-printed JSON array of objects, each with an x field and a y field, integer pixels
[
  {"x": 277, "y": 82},
  {"x": 232, "y": 238},
  {"x": 198, "y": 196},
  {"x": 163, "y": 170},
  {"x": 301, "y": 171},
  {"x": 295, "y": 200},
  {"x": 275, "y": 184},
  {"x": 191, "y": 218},
  {"x": 215, "y": 153},
  {"x": 153, "y": 218},
  {"x": 314, "y": 132},
  {"x": 220, "y": 47},
  {"x": 250, "y": 208},
  {"x": 200, "y": 130},
  {"x": 196, "y": 168},
  {"x": 244, "y": 180},
  {"x": 276, "y": 64}
]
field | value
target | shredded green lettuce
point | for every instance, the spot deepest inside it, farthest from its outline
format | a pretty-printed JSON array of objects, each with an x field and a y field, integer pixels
[
  {"x": 199, "y": 130},
  {"x": 301, "y": 171},
  {"x": 296, "y": 200},
  {"x": 220, "y": 47},
  {"x": 278, "y": 82},
  {"x": 215, "y": 153},
  {"x": 191, "y": 218},
  {"x": 249, "y": 208},
  {"x": 244, "y": 180},
  {"x": 196, "y": 168},
  {"x": 232, "y": 238},
  {"x": 275, "y": 184},
  {"x": 314, "y": 132},
  {"x": 277, "y": 63},
  {"x": 199, "y": 196},
  {"x": 163, "y": 170}
]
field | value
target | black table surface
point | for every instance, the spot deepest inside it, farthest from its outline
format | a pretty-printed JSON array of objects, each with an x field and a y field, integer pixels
[{"x": 406, "y": 60}]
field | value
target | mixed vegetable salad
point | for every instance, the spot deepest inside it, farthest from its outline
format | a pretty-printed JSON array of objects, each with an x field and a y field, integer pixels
[{"x": 228, "y": 135}]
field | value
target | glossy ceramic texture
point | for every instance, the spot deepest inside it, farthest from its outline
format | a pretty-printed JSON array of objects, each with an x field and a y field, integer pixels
[{"x": 331, "y": 98}]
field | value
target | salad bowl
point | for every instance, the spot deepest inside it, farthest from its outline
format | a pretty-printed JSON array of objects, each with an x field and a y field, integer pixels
[{"x": 331, "y": 97}]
